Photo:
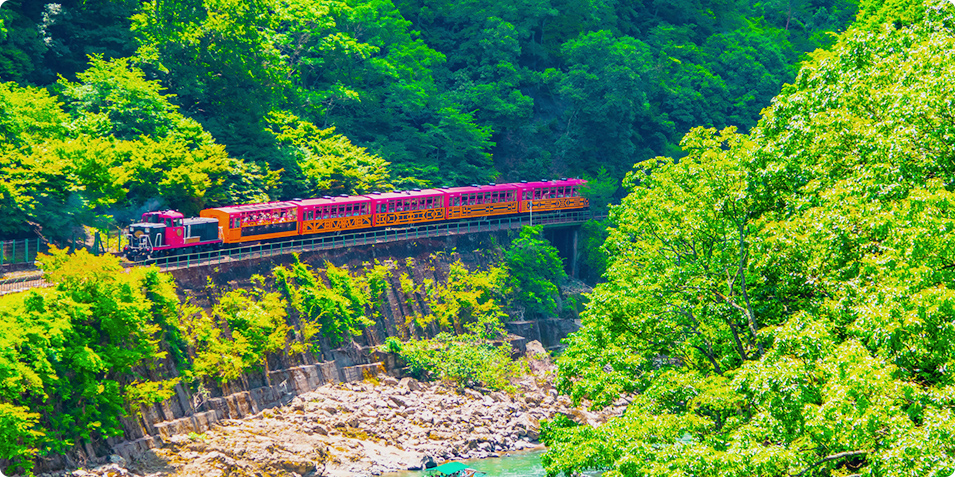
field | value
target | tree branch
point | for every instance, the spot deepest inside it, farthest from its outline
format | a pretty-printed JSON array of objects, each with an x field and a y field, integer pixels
[{"x": 841, "y": 455}]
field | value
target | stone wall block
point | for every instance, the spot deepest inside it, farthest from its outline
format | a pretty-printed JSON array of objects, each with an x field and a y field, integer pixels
[{"x": 330, "y": 372}]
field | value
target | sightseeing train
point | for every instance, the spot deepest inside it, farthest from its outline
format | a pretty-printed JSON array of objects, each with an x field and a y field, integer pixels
[{"x": 168, "y": 232}]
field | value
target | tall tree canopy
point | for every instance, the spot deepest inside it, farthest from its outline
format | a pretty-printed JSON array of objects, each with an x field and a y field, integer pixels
[{"x": 781, "y": 302}]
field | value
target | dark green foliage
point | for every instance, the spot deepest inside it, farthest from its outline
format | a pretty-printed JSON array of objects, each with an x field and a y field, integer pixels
[
  {"x": 534, "y": 272},
  {"x": 591, "y": 256}
]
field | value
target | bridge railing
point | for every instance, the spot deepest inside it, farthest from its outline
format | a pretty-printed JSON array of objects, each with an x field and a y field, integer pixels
[
  {"x": 357, "y": 239},
  {"x": 32, "y": 279}
]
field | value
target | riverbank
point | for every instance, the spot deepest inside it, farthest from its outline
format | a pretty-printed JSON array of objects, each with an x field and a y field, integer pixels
[{"x": 379, "y": 425}]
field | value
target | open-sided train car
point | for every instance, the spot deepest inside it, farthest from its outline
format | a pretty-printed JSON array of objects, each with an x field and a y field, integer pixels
[
  {"x": 408, "y": 207},
  {"x": 544, "y": 196},
  {"x": 254, "y": 222},
  {"x": 482, "y": 201},
  {"x": 334, "y": 214}
]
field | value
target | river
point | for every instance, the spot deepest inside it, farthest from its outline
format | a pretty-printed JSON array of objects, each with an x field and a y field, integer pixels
[{"x": 517, "y": 464}]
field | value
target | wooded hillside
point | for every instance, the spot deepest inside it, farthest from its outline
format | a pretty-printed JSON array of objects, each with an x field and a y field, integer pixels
[{"x": 113, "y": 106}]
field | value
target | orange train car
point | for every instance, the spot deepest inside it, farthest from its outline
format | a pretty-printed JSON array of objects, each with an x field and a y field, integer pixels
[{"x": 252, "y": 222}]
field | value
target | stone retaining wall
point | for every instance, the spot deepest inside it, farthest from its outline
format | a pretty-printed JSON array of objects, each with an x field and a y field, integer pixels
[{"x": 183, "y": 413}]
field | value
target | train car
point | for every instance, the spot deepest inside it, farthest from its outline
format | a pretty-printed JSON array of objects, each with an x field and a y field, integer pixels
[
  {"x": 543, "y": 196},
  {"x": 333, "y": 214},
  {"x": 408, "y": 207},
  {"x": 254, "y": 222},
  {"x": 166, "y": 232},
  {"x": 482, "y": 201}
]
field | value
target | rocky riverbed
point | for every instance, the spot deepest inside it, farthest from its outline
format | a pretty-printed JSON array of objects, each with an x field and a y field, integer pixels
[{"x": 367, "y": 428}]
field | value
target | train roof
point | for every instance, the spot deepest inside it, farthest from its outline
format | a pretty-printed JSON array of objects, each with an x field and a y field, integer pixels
[
  {"x": 351, "y": 199},
  {"x": 480, "y": 188},
  {"x": 554, "y": 183},
  {"x": 407, "y": 194},
  {"x": 235, "y": 209},
  {"x": 168, "y": 213}
]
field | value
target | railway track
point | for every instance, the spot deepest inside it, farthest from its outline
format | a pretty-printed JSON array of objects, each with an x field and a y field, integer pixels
[{"x": 30, "y": 280}]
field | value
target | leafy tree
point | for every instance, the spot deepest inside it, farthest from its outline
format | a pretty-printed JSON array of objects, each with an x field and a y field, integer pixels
[
  {"x": 74, "y": 353},
  {"x": 783, "y": 307},
  {"x": 330, "y": 164},
  {"x": 465, "y": 360},
  {"x": 534, "y": 272},
  {"x": 468, "y": 300},
  {"x": 337, "y": 309},
  {"x": 250, "y": 326}
]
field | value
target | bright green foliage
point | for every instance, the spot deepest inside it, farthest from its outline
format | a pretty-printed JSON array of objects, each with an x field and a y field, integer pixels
[
  {"x": 873, "y": 15},
  {"x": 466, "y": 360},
  {"x": 781, "y": 303},
  {"x": 466, "y": 300},
  {"x": 74, "y": 354},
  {"x": 116, "y": 143},
  {"x": 337, "y": 308},
  {"x": 245, "y": 327},
  {"x": 534, "y": 271},
  {"x": 329, "y": 163},
  {"x": 19, "y": 434}
]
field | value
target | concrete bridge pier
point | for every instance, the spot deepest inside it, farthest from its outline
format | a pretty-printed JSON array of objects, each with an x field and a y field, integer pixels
[{"x": 565, "y": 240}]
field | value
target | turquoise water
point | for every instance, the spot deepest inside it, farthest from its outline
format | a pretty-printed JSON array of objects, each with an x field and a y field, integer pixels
[{"x": 518, "y": 464}]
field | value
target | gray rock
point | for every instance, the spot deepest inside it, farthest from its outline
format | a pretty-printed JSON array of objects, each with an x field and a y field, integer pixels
[
  {"x": 410, "y": 383},
  {"x": 427, "y": 462}
]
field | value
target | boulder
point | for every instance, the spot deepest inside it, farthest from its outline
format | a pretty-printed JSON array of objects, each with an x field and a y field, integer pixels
[
  {"x": 411, "y": 384},
  {"x": 427, "y": 462},
  {"x": 531, "y": 426}
]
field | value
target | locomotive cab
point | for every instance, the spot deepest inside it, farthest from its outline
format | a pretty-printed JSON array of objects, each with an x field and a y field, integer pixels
[{"x": 156, "y": 230}]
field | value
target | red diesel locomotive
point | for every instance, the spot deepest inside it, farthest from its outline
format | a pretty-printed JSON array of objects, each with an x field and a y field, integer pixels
[{"x": 169, "y": 232}]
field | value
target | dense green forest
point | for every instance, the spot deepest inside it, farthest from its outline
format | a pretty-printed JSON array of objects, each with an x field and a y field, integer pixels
[
  {"x": 780, "y": 303},
  {"x": 110, "y": 107}
]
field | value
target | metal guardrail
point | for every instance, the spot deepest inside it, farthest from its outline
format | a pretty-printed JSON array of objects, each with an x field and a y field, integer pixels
[
  {"x": 22, "y": 282},
  {"x": 330, "y": 242},
  {"x": 373, "y": 237}
]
